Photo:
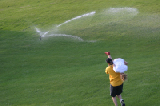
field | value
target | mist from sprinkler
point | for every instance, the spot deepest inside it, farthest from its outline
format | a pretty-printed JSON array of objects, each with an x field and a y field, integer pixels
[
  {"x": 43, "y": 34},
  {"x": 117, "y": 14}
]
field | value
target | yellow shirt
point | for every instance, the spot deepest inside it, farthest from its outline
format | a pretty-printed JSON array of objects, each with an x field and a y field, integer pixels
[{"x": 114, "y": 77}]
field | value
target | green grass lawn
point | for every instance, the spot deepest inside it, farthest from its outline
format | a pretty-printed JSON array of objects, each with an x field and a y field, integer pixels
[{"x": 65, "y": 71}]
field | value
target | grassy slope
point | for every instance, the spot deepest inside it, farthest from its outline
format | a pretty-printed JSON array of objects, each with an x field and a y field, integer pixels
[{"x": 60, "y": 72}]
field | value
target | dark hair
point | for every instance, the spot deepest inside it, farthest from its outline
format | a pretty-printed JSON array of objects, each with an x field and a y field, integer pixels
[{"x": 109, "y": 60}]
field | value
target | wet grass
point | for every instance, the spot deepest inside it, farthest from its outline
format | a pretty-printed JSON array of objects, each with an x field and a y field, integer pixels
[{"x": 59, "y": 71}]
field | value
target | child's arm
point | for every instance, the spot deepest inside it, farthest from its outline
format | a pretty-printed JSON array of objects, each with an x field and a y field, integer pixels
[
  {"x": 126, "y": 63},
  {"x": 108, "y": 53},
  {"x": 109, "y": 56}
]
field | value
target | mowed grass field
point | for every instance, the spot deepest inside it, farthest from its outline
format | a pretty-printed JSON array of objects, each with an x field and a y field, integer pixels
[{"x": 68, "y": 69}]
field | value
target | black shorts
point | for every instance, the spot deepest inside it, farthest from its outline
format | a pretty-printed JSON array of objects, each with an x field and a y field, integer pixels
[{"x": 116, "y": 90}]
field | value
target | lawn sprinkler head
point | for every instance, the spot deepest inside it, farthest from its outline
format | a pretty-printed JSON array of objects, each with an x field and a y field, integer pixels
[{"x": 40, "y": 38}]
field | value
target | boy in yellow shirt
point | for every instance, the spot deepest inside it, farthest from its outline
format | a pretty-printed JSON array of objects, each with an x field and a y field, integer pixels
[{"x": 116, "y": 82}]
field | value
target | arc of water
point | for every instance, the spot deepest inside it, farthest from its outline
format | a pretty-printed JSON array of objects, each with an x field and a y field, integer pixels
[
  {"x": 77, "y": 17},
  {"x": 43, "y": 34}
]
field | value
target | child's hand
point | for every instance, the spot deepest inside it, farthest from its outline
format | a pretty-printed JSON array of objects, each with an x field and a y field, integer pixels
[{"x": 107, "y": 53}]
